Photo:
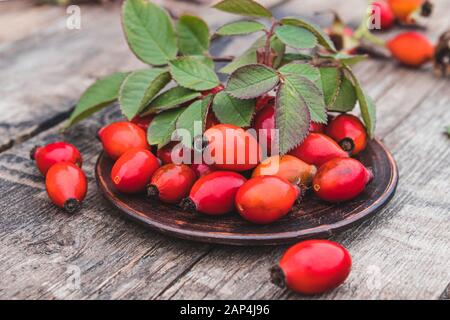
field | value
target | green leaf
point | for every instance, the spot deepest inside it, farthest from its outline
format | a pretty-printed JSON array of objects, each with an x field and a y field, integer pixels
[
  {"x": 292, "y": 57},
  {"x": 346, "y": 99},
  {"x": 292, "y": 117},
  {"x": 310, "y": 94},
  {"x": 233, "y": 111},
  {"x": 251, "y": 81},
  {"x": 322, "y": 37},
  {"x": 191, "y": 73},
  {"x": 296, "y": 37},
  {"x": 170, "y": 99},
  {"x": 193, "y": 115},
  {"x": 193, "y": 35},
  {"x": 139, "y": 88},
  {"x": 100, "y": 94},
  {"x": 331, "y": 82},
  {"x": 240, "y": 27},
  {"x": 349, "y": 59},
  {"x": 162, "y": 126},
  {"x": 250, "y": 57},
  {"x": 367, "y": 107},
  {"x": 149, "y": 32},
  {"x": 303, "y": 69},
  {"x": 243, "y": 7}
]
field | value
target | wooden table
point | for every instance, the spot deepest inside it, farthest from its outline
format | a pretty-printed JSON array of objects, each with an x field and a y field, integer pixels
[{"x": 402, "y": 253}]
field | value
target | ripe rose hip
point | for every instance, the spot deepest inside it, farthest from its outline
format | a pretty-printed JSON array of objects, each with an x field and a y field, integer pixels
[
  {"x": 387, "y": 17},
  {"x": 288, "y": 167},
  {"x": 404, "y": 9},
  {"x": 411, "y": 48},
  {"x": 119, "y": 137},
  {"x": 312, "y": 267},
  {"x": 171, "y": 182},
  {"x": 265, "y": 199},
  {"x": 66, "y": 185},
  {"x": 215, "y": 193},
  {"x": 317, "y": 149},
  {"x": 55, "y": 152},
  {"x": 231, "y": 148},
  {"x": 143, "y": 122},
  {"x": 341, "y": 179},
  {"x": 265, "y": 121},
  {"x": 349, "y": 132},
  {"x": 133, "y": 170},
  {"x": 171, "y": 151}
]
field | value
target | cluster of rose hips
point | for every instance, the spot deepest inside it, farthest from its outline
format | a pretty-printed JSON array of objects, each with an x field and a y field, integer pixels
[
  {"x": 275, "y": 184},
  {"x": 65, "y": 182}
]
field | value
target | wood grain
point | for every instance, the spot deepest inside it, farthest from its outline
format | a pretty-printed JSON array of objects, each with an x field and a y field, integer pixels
[{"x": 403, "y": 253}]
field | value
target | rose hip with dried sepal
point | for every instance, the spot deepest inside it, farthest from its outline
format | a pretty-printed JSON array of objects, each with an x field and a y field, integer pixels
[
  {"x": 133, "y": 170},
  {"x": 341, "y": 179},
  {"x": 171, "y": 182},
  {"x": 48, "y": 155},
  {"x": 349, "y": 132},
  {"x": 312, "y": 267},
  {"x": 66, "y": 185},
  {"x": 214, "y": 194},
  {"x": 119, "y": 137}
]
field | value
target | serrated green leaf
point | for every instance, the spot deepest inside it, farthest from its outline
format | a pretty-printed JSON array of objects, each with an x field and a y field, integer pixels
[
  {"x": 243, "y": 7},
  {"x": 303, "y": 69},
  {"x": 191, "y": 73},
  {"x": 310, "y": 94},
  {"x": 100, "y": 94},
  {"x": 194, "y": 114},
  {"x": 346, "y": 99},
  {"x": 162, "y": 126},
  {"x": 139, "y": 88},
  {"x": 170, "y": 99},
  {"x": 250, "y": 57},
  {"x": 252, "y": 81},
  {"x": 240, "y": 27},
  {"x": 292, "y": 118},
  {"x": 296, "y": 37},
  {"x": 149, "y": 32},
  {"x": 292, "y": 57},
  {"x": 331, "y": 81},
  {"x": 193, "y": 35},
  {"x": 322, "y": 37},
  {"x": 233, "y": 111}
]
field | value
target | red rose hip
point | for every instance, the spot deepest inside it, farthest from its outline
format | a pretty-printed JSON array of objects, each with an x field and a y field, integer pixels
[
  {"x": 66, "y": 185},
  {"x": 265, "y": 199},
  {"x": 312, "y": 267},
  {"x": 317, "y": 149},
  {"x": 349, "y": 132},
  {"x": 171, "y": 182},
  {"x": 119, "y": 137},
  {"x": 411, "y": 48},
  {"x": 133, "y": 170},
  {"x": 55, "y": 152},
  {"x": 264, "y": 124},
  {"x": 341, "y": 179},
  {"x": 215, "y": 193}
]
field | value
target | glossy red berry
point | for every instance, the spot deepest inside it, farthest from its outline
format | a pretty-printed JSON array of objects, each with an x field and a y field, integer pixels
[
  {"x": 171, "y": 152},
  {"x": 341, "y": 179},
  {"x": 386, "y": 15},
  {"x": 264, "y": 101},
  {"x": 231, "y": 148},
  {"x": 119, "y": 137},
  {"x": 133, "y": 170},
  {"x": 66, "y": 185},
  {"x": 317, "y": 149},
  {"x": 264, "y": 124},
  {"x": 202, "y": 169},
  {"x": 349, "y": 132},
  {"x": 265, "y": 199},
  {"x": 411, "y": 48},
  {"x": 313, "y": 267},
  {"x": 215, "y": 193},
  {"x": 171, "y": 182},
  {"x": 316, "y": 127},
  {"x": 55, "y": 152},
  {"x": 143, "y": 122}
]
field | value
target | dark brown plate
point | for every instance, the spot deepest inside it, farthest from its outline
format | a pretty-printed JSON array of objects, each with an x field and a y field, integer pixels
[{"x": 313, "y": 219}]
